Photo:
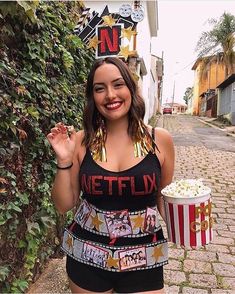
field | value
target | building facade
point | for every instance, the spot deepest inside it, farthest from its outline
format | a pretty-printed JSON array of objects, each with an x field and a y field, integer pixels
[
  {"x": 226, "y": 99},
  {"x": 208, "y": 75}
]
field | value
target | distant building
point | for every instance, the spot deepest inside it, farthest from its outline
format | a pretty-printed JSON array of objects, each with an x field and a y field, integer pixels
[
  {"x": 177, "y": 108},
  {"x": 155, "y": 89},
  {"x": 208, "y": 105},
  {"x": 226, "y": 99},
  {"x": 207, "y": 77}
]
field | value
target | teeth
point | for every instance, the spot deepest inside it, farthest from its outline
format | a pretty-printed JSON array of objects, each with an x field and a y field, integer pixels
[{"x": 113, "y": 105}]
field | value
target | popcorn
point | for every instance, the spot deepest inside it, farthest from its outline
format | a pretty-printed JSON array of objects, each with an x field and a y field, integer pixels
[
  {"x": 70, "y": 129},
  {"x": 186, "y": 188}
]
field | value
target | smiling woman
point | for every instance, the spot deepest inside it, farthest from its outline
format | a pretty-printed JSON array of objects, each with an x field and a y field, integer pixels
[
  {"x": 120, "y": 167},
  {"x": 111, "y": 94}
]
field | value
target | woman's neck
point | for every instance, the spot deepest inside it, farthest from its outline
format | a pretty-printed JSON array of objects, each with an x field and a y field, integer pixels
[{"x": 117, "y": 127}]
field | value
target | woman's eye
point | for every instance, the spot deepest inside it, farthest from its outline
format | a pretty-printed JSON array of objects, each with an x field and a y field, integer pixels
[
  {"x": 119, "y": 85},
  {"x": 98, "y": 90}
]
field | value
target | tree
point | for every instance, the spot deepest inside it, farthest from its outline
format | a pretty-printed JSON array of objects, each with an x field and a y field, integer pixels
[
  {"x": 187, "y": 94},
  {"x": 219, "y": 42}
]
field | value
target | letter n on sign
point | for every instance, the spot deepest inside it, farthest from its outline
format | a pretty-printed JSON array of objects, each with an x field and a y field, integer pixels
[{"x": 110, "y": 40}]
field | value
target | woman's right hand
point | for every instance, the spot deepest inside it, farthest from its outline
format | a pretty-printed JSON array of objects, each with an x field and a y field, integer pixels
[{"x": 63, "y": 140}]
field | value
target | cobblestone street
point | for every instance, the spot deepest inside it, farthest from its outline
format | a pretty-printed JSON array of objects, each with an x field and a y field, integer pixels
[
  {"x": 201, "y": 152},
  {"x": 210, "y": 269}
]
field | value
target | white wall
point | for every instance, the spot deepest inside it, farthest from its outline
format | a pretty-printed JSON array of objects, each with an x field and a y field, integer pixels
[{"x": 143, "y": 48}]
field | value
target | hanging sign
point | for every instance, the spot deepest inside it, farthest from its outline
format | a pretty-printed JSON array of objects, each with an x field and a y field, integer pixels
[
  {"x": 109, "y": 40},
  {"x": 110, "y": 33}
]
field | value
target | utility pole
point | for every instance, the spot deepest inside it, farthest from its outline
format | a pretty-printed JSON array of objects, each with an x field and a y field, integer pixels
[
  {"x": 161, "y": 89},
  {"x": 173, "y": 96}
]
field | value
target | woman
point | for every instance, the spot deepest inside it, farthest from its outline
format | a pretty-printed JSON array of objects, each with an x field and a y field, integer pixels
[{"x": 118, "y": 164}]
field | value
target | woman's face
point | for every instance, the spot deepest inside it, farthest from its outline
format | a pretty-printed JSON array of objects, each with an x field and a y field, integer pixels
[
  {"x": 153, "y": 221},
  {"x": 148, "y": 220},
  {"x": 111, "y": 94}
]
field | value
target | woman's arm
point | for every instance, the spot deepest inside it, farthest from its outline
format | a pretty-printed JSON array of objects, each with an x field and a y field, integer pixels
[
  {"x": 66, "y": 190},
  {"x": 164, "y": 142}
]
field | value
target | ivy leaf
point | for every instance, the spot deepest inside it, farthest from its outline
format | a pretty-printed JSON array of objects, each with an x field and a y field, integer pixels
[
  {"x": 4, "y": 272},
  {"x": 33, "y": 112},
  {"x": 47, "y": 221},
  {"x": 23, "y": 285},
  {"x": 23, "y": 198},
  {"x": 19, "y": 285},
  {"x": 13, "y": 129},
  {"x": 3, "y": 190},
  {"x": 20, "y": 81},
  {"x": 3, "y": 65},
  {"x": 2, "y": 220},
  {"x": 12, "y": 206},
  {"x": 33, "y": 227},
  {"x": 3, "y": 181},
  {"x": 22, "y": 244},
  {"x": 21, "y": 90}
]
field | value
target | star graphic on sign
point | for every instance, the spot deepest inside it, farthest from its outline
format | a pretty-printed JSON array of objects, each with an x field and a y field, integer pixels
[
  {"x": 125, "y": 52},
  {"x": 69, "y": 241},
  {"x": 96, "y": 222},
  {"x": 135, "y": 76},
  {"x": 93, "y": 42},
  {"x": 112, "y": 262},
  {"x": 138, "y": 221},
  {"x": 108, "y": 20},
  {"x": 128, "y": 33},
  {"x": 157, "y": 252}
]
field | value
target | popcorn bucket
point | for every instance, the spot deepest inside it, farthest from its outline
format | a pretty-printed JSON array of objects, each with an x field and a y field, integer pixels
[{"x": 189, "y": 220}]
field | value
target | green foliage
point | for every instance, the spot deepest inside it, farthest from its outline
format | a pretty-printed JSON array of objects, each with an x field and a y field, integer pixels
[
  {"x": 43, "y": 68},
  {"x": 187, "y": 94},
  {"x": 220, "y": 39}
]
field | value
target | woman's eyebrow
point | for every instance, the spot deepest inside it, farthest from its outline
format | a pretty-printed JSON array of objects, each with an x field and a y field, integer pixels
[{"x": 118, "y": 79}]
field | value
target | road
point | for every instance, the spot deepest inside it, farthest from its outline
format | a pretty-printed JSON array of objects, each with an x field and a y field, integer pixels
[
  {"x": 201, "y": 152},
  {"x": 189, "y": 131},
  {"x": 204, "y": 152}
]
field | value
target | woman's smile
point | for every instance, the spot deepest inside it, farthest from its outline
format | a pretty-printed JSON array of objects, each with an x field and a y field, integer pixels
[{"x": 113, "y": 105}]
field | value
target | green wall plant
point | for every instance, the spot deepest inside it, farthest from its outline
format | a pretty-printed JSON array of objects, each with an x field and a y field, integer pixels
[{"x": 43, "y": 68}]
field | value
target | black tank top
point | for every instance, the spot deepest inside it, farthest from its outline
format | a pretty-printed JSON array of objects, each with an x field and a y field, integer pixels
[{"x": 132, "y": 189}]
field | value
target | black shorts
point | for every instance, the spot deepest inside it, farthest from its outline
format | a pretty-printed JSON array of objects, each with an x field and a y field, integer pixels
[{"x": 97, "y": 280}]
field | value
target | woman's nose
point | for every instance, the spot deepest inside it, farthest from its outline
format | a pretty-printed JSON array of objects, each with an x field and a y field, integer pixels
[{"x": 110, "y": 93}]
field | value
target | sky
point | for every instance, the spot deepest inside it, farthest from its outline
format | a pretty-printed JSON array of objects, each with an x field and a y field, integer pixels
[{"x": 181, "y": 24}]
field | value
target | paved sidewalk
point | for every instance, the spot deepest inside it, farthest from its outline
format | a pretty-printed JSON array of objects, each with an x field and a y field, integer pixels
[
  {"x": 208, "y": 270},
  {"x": 214, "y": 123}
]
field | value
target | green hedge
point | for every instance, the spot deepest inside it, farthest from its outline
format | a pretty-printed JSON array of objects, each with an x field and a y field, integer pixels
[{"x": 43, "y": 68}]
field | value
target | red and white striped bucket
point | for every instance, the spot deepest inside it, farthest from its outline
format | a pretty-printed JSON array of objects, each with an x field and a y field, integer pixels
[{"x": 189, "y": 220}]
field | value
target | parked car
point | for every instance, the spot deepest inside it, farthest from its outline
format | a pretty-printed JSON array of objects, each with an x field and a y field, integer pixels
[{"x": 167, "y": 110}]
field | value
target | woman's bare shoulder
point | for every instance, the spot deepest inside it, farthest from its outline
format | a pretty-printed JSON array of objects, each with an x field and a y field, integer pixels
[{"x": 161, "y": 134}]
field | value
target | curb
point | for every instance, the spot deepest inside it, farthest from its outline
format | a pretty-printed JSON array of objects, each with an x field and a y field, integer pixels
[{"x": 215, "y": 127}]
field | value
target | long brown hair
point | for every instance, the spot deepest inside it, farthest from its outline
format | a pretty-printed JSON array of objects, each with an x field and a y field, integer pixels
[{"x": 91, "y": 116}]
